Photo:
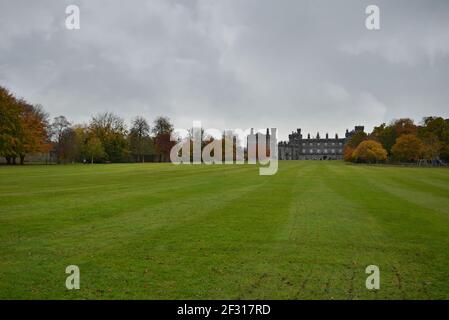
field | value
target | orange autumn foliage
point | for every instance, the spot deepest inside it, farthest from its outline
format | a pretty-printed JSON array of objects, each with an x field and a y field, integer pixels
[{"x": 369, "y": 151}]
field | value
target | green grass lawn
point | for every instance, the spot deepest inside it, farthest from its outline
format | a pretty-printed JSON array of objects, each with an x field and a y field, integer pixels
[{"x": 160, "y": 231}]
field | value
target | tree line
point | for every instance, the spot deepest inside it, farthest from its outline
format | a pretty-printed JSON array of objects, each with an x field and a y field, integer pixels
[
  {"x": 26, "y": 129},
  {"x": 401, "y": 141}
]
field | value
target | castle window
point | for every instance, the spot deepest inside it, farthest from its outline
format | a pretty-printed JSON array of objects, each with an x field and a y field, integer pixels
[
  {"x": 333, "y": 150},
  {"x": 311, "y": 150},
  {"x": 325, "y": 150}
]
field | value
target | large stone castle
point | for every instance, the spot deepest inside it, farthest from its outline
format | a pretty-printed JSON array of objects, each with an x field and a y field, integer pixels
[{"x": 314, "y": 148}]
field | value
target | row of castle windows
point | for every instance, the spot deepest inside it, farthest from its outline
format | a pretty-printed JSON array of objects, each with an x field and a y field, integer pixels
[
  {"x": 318, "y": 144},
  {"x": 324, "y": 151}
]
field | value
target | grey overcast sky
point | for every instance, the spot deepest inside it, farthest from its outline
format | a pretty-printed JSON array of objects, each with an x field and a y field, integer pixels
[{"x": 230, "y": 63}]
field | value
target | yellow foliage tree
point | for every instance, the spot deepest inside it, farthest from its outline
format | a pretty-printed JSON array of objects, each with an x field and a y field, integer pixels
[
  {"x": 369, "y": 151},
  {"x": 408, "y": 148},
  {"x": 347, "y": 154}
]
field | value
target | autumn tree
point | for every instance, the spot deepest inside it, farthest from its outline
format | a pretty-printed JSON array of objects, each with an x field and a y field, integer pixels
[
  {"x": 408, "y": 148},
  {"x": 347, "y": 154},
  {"x": 58, "y": 130},
  {"x": 356, "y": 138},
  {"x": 352, "y": 143},
  {"x": 33, "y": 136},
  {"x": 162, "y": 129},
  {"x": 69, "y": 147},
  {"x": 9, "y": 125},
  {"x": 404, "y": 126},
  {"x": 435, "y": 133},
  {"x": 111, "y": 131},
  {"x": 94, "y": 148},
  {"x": 140, "y": 141},
  {"x": 23, "y": 128},
  {"x": 81, "y": 134},
  {"x": 431, "y": 146},
  {"x": 386, "y": 135},
  {"x": 369, "y": 151},
  {"x": 437, "y": 126}
]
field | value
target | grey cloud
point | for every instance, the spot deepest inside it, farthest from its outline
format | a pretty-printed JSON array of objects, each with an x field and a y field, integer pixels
[{"x": 230, "y": 63}]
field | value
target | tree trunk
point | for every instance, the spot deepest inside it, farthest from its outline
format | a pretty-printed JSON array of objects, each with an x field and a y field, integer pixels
[
  {"x": 92, "y": 160},
  {"x": 8, "y": 160},
  {"x": 22, "y": 159},
  {"x": 13, "y": 160}
]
